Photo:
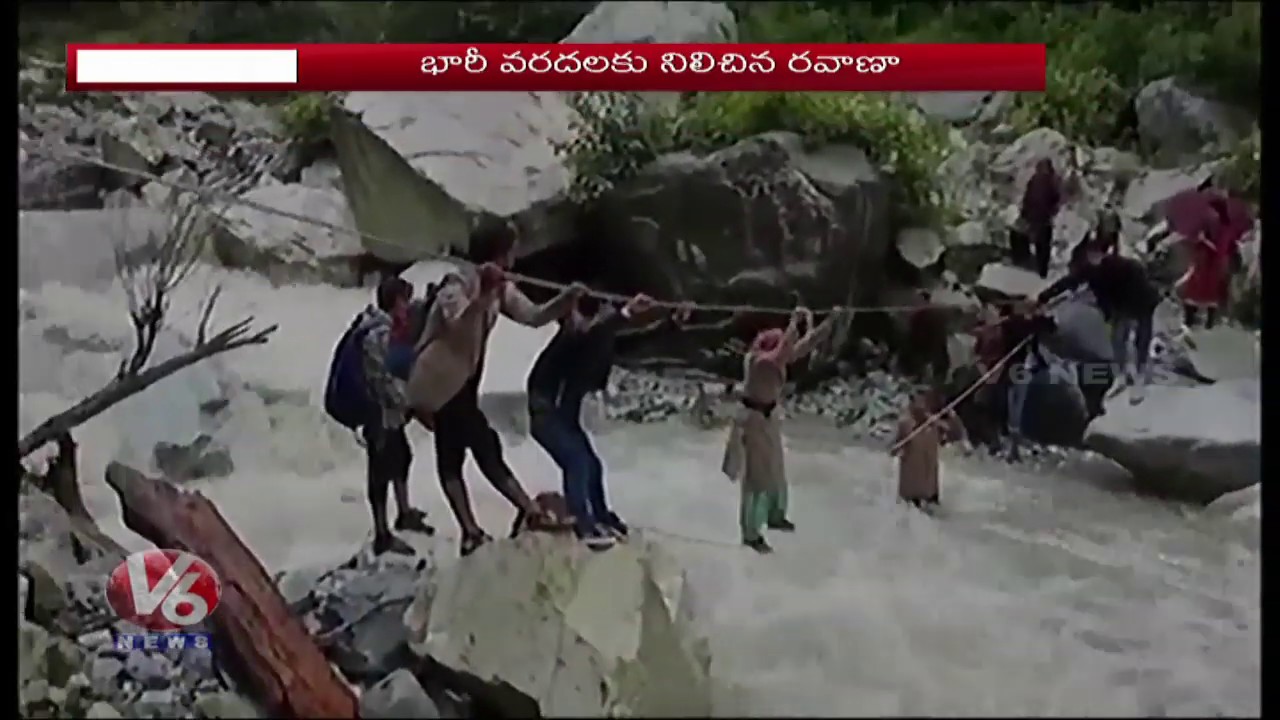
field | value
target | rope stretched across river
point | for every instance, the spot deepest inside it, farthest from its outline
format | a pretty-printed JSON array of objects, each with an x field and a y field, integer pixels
[{"x": 67, "y": 152}]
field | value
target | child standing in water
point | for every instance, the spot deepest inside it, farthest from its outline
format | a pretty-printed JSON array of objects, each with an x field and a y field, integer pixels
[
  {"x": 754, "y": 453},
  {"x": 918, "y": 454}
]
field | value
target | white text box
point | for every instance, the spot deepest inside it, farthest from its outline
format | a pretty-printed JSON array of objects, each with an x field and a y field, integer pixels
[{"x": 176, "y": 66}]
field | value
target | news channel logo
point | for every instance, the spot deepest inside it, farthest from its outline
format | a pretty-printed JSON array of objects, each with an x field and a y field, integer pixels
[{"x": 164, "y": 593}]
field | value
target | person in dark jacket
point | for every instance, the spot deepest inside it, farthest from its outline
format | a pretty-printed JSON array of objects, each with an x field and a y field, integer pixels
[
  {"x": 1128, "y": 301},
  {"x": 1020, "y": 333},
  {"x": 388, "y": 452},
  {"x": 1105, "y": 236},
  {"x": 1040, "y": 203},
  {"x": 576, "y": 362}
]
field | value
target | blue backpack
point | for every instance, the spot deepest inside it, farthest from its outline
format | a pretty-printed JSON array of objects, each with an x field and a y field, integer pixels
[{"x": 346, "y": 398}]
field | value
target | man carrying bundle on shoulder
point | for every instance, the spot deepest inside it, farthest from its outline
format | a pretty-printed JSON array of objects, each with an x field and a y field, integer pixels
[{"x": 444, "y": 382}]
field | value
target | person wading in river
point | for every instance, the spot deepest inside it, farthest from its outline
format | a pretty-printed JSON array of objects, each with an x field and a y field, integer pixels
[
  {"x": 445, "y": 380},
  {"x": 918, "y": 455},
  {"x": 754, "y": 453}
]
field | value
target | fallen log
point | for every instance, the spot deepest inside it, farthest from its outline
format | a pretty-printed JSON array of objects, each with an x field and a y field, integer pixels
[{"x": 280, "y": 663}]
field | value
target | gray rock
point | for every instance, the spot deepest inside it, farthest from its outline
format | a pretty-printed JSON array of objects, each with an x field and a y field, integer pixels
[
  {"x": 284, "y": 248},
  {"x": 102, "y": 711},
  {"x": 156, "y": 703},
  {"x": 1017, "y": 162},
  {"x": 104, "y": 675},
  {"x": 398, "y": 695},
  {"x": 151, "y": 670},
  {"x": 960, "y": 107},
  {"x": 201, "y": 458},
  {"x": 436, "y": 160},
  {"x": 24, "y": 587},
  {"x": 225, "y": 704},
  {"x": 656, "y": 22},
  {"x": 1187, "y": 443},
  {"x": 762, "y": 210},
  {"x": 1175, "y": 122},
  {"x": 1145, "y": 196},
  {"x": 360, "y": 610},
  {"x": 998, "y": 280},
  {"x": 921, "y": 247}
]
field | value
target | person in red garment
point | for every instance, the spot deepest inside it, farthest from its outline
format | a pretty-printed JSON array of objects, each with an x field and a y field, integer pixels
[{"x": 1204, "y": 287}]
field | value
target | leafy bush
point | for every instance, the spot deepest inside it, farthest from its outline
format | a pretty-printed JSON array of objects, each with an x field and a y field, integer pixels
[
  {"x": 618, "y": 134},
  {"x": 305, "y": 118},
  {"x": 1081, "y": 104},
  {"x": 1242, "y": 172},
  {"x": 1110, "y": 49}
]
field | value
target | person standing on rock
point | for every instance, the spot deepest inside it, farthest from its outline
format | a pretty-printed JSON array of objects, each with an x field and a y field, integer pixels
[
  {"x": 1041, "y": 201},
  {"x": 444, "y": 383},
  {"x": 922, "y": 431},
  {"x": 1020, "y": 333},
  {"x": 754, "y": 454},
  {"x": 386, "y": 446},
  {"x": 575, "y": 363},
  {"x": 1127, "y": 299}
]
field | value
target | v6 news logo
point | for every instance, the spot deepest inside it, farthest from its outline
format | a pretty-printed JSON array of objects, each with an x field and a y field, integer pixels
[{"x": 163, "y": 590}]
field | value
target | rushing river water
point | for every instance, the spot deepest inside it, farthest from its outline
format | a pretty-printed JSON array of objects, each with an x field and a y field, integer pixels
[{"x": 1032, "y": 593}]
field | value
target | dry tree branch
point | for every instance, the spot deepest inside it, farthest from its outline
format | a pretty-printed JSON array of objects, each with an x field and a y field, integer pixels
[{"x": 148, "y": 288}]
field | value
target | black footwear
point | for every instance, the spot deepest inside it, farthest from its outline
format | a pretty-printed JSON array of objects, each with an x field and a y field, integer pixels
[
  {"x": 783, "y": 524},
  {"x": 759, "y": 545},
  {"x": 472, "y": 542},
  {"x": 614, "y": 524},
  {"x": 389, "y": 543},
  {"x": 414, "y": 520},
  {"x": 597, "y": 539}
]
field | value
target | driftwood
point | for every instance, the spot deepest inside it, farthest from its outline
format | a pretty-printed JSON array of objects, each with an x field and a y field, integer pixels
[{"x": 276, "y": 656}]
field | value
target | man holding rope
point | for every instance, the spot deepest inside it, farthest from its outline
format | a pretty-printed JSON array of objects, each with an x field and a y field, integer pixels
[{"x": 444, "y": 383}]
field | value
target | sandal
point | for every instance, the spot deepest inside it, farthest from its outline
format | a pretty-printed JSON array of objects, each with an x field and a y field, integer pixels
[
  {"x": 414, "y": 520},
  {"x": 472, "y": 542}
]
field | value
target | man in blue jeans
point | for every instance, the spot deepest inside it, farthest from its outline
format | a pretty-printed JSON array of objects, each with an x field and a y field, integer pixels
[{"x": 577, "y": 361}]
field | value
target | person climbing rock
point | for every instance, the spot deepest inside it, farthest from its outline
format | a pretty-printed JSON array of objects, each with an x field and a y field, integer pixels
[
  {"x": 1127, "y": 299},
  {"x": 1020, "y": 333},
  {"x": 444, "y": 382},
  {"x": 754, "y": 454},
  {"x": 922, "y": 430},
  {"x": 1040, "y": 203}
]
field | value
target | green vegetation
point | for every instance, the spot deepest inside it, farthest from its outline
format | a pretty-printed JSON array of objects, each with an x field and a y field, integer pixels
[
  {"x": 305, "y": 117},
  {"x": 618, "y": 134},
  {"x": 1099, "y": 53},
  {"x": 1242, "y": 172}
]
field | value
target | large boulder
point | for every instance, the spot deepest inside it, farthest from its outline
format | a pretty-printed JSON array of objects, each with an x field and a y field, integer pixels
[
  {"x": 78, "y": 247},
  {"x": 1175, "y": 122},
  {"x": 580, "y": 633},
  {"x": 417, "y": 168},
  {"x": 960, "y": 108},
  {"x": 656, "y": 22},
  {"x": 1187, "y": 443},
  {"x": 755, "y": 222},
  {"x": 284, "y": 248}
]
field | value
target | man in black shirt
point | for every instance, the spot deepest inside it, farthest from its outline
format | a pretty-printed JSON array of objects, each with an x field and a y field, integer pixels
[
  {"x": 576, "y": 362},
  {"x": 1128, "y": 301}
]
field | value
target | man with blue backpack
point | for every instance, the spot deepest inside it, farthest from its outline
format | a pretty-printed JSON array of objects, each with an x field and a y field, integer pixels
[{"x": 364, "y": 393}]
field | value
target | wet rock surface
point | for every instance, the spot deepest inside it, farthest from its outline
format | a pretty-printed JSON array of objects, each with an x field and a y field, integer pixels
[{"x": 71, "y": 663}]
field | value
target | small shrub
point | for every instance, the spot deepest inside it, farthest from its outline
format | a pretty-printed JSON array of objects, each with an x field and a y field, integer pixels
[
  {"x": 1242, "y": 172},
  {"x": 1081, "y": 104},
  {"x": 305, "y": 118},
  {"x": 618, "y": 134}
]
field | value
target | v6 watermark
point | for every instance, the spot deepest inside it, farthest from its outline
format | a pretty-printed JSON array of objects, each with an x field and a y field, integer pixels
[{"x": 163, "y": 590}]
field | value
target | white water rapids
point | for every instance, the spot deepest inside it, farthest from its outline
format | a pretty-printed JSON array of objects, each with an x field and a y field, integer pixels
[{"x": 1032, "y": 594}]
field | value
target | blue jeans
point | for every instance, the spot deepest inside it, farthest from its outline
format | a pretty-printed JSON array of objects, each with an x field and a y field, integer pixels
[
  {"x": 1019, "y": 385},
  {"x": 559, "y": 431},
  {"x": 1140, "y": 329}
]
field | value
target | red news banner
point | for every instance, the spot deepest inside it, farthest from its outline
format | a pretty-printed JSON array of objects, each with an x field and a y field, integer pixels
[{"x": 523, "y": 67}]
